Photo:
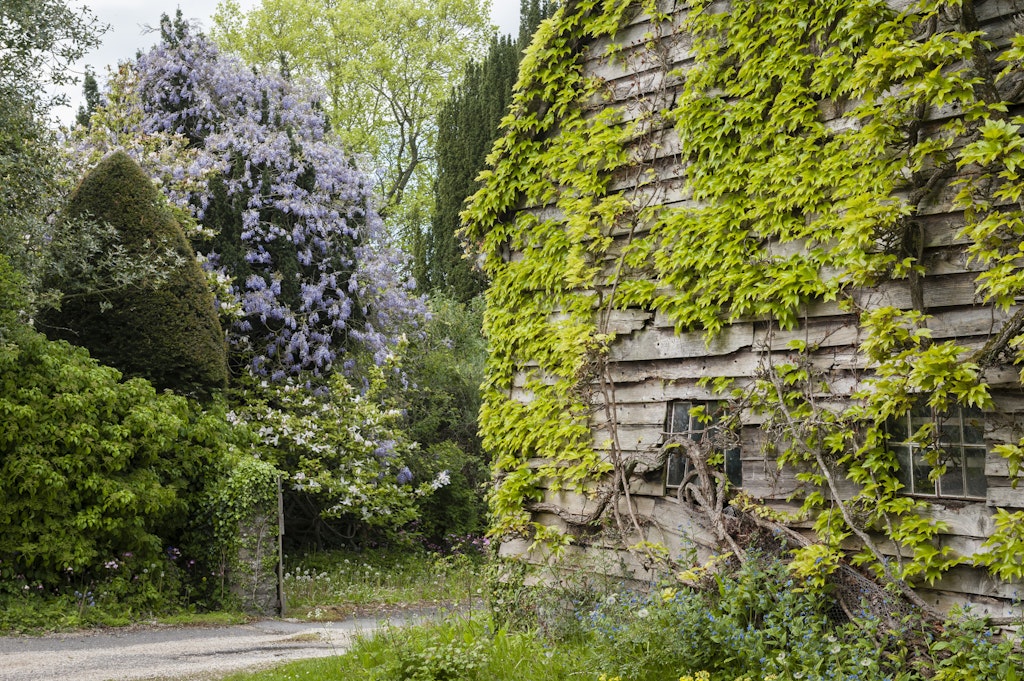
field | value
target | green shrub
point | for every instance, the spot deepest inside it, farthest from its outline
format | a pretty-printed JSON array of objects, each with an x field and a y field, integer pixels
[
  {"x": 167, "y": 333},
  {"x": 90, "y": 468},
  {"x": 760, "y": 624}
]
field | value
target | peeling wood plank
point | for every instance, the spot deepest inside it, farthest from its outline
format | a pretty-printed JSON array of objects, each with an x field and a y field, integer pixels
[{"x": 657, "y": 344}]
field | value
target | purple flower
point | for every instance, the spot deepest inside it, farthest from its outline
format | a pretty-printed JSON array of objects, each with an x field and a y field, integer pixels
[{"x": 302, "y": 213}]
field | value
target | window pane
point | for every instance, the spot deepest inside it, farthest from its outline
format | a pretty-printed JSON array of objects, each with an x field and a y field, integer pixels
[
  {"x": 680, "y": 420},
  {"x": 921, "y": 468},
  {"x": 951, "y": 484},
  {"x": 903, "y": 473},
  {"x": 949, "y": 433},
  {"x": 920, "y": 415},
  {"x": 734, "y": 467},
  {"x": 896, "y": 429},
  {"x": 676, "y": 469},
  {"x": 977, "y": 483},
  {"x": 974, "y": 430}
]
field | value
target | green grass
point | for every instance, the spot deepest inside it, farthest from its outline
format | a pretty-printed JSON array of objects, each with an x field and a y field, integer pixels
[
  {"x": 336, "y": 585},
  {"x": 457, "y": 648}
]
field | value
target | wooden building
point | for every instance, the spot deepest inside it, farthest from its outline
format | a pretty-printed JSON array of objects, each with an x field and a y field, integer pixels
[{"x": 651, "y": 366}]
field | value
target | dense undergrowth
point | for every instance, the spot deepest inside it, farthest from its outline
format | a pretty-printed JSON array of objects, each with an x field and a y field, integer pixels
[{"x": 756, "y": 624}]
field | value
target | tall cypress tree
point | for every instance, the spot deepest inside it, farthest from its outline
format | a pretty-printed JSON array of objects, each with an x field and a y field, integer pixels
[{"x": 467, "y": 128}]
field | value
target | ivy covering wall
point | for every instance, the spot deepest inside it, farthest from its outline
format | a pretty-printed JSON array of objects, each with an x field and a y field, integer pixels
[{"x": 811, "y": 133}]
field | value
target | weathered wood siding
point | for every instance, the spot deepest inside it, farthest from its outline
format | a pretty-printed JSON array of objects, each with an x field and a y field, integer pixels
[{"x": 651, "y": 364}]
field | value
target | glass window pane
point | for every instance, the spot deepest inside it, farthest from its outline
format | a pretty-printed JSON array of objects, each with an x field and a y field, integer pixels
[
  {"x": 920, "y": 415},
  {"x": 921, "y": 468},
  {"x": 951, "y": 484},
  {"x": 680, "y": 421},
  {"x": 896, "y": 428},
  {"x": 676, "y": 466},
  {"x": 974, "y": 430},
  {"x": 949, "y": 433},
  {"x": 734, "y": 466},
  {"x": 903, "y": 473},
  {"x": 977, "y": 483}
]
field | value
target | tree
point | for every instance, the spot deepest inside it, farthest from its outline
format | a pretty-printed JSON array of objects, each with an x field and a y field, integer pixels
[
  {"x": 167, "y": 333},
  {"x": 386, "y": 66},
  {"x": 91, "y": 92},
  {"x": 440, "y": 400},
  {"x": 286, "y": 214},
  {"x": 467, "y": 127},
  {"x": 39, "y": 39}
]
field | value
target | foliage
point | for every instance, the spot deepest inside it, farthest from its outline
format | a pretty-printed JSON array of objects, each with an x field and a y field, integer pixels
[
  {"x": 92, "y": 468},
  {"x": 343, "y": 456},
  {"x": 536, "y": 310},
  {"x": 40, "y": 39},
  {"x": 467, "y": 127},
  {"x": 439, "y": 396},
  {"x": 756, "y": 621},
  {"x": 386, "y": 67},
  {"x": 756, "y": 624},
  {"x": 760, "y": 623},
  {"x": 167, "y": 333},
  {"x": 785, "y": 209},
  {"x": 284, "y": 216},
  {"x": 456, "y": 649}
]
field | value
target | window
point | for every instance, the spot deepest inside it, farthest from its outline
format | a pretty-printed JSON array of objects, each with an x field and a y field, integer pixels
[
  {"x": 957, "y": 442},
  {"x": 679, "y": 421}
]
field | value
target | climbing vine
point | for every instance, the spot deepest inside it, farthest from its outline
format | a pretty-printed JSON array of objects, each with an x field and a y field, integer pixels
[
  {"x": 812, "y": 133},
  {"x": 556, "y": 158}
]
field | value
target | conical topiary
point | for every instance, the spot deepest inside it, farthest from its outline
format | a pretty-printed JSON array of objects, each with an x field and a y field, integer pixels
[{"x": 166, "y": 333}]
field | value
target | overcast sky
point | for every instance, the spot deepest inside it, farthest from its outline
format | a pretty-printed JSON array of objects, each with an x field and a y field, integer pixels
[{"x": 128, "y": 20}]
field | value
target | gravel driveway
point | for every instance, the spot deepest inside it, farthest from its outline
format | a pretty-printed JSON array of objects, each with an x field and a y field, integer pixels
[{"x": 172, "y": 652}]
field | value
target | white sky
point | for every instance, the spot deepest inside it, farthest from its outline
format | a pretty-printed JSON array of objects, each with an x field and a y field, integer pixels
[{"x": 128, "y": 20}]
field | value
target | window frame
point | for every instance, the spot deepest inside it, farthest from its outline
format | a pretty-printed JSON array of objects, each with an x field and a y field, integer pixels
[
  {"x": 959, "y": 434},
  {"x": 697, "y": 431}
]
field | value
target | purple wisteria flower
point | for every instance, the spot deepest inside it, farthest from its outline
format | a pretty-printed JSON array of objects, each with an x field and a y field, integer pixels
[{"x": 293, "y": 219}]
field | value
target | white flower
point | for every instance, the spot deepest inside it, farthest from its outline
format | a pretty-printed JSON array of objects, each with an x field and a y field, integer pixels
[{"x": 441, "y": 480}]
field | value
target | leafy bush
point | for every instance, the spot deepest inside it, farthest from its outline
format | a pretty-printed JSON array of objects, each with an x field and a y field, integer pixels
[
  {"x": 439, "y": 393},
  {"x": 759, "y": 624},
  {"x": 343, "y": 456},
  {"x": 166, "y": 333},
  {"x": 90, "y": 467}
]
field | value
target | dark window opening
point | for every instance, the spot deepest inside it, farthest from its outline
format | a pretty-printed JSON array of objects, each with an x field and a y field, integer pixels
[{"x": 680, "y": 421}]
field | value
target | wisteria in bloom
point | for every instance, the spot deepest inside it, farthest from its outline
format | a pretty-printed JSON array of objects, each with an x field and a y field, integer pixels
[{"x": 292, "y": 219}]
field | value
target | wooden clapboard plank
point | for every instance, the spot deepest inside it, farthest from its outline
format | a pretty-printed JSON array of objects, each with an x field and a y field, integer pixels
[
  {"x": 661, "y": 344},
  {"x": 1002, "y": 495}
]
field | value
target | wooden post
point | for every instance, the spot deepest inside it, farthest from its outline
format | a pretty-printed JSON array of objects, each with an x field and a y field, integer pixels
[{"x": 280, "y": 549}]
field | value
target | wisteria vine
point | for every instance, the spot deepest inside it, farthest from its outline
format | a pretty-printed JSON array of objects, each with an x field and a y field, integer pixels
[{"x": 292, "y": 220}]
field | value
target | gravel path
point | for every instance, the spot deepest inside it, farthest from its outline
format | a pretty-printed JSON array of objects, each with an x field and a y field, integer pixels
[{"x": 172, "y": 652}]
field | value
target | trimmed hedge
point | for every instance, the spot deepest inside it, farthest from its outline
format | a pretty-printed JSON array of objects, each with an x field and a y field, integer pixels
[{"x": 168, "y": 334}]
